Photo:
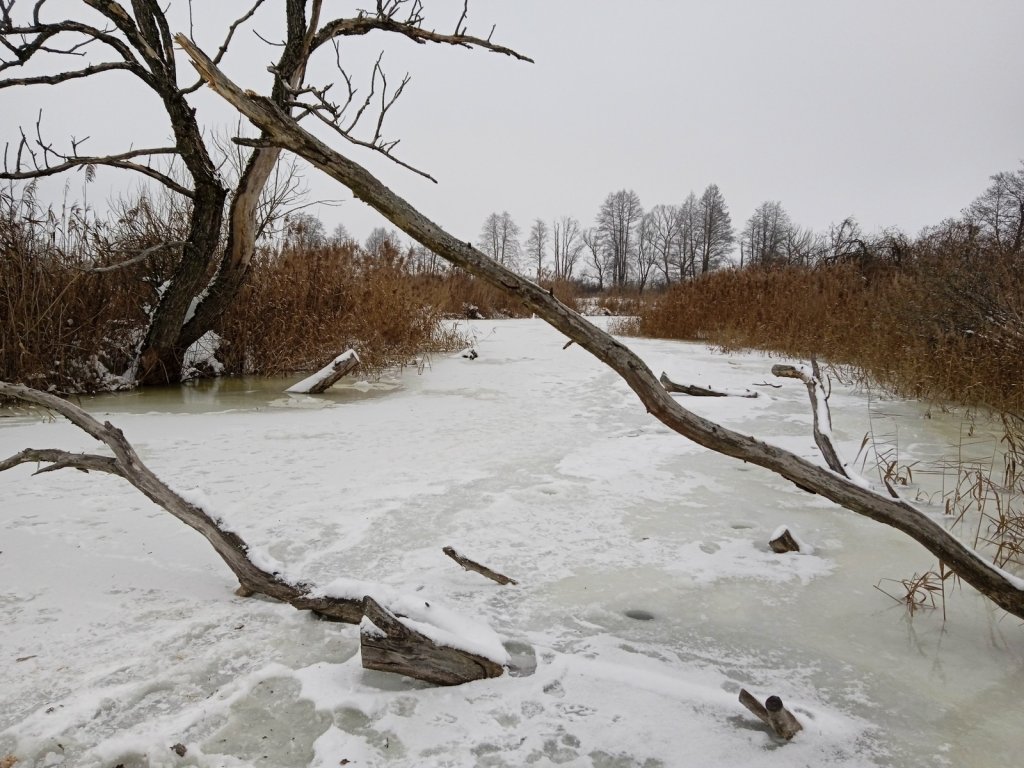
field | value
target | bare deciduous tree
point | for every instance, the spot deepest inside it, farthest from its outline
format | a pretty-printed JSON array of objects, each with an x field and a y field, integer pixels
[
  {"x": 223, "y": 222},
  {"x": 999, "y": 210},
  {"x": 499, "y": 239},
  {"x": 618, "y": 222},
  {"x": 568, "y": 245},
  {"x": 715, "y": 237},
  {"x": 537, "y": 246},
  {"x": 764, "y": 236}
]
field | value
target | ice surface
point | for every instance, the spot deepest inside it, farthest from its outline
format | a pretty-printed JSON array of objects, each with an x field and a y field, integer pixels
[{"x": 122, "y": 635}]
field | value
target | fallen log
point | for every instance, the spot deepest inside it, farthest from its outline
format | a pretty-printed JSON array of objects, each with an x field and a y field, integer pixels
[
  {"x": 389, "y": 644},
  {"x": 327, "y": 376},
  {"x": 773, "y": 714},
  {"x": 483, "y": 570},
  {"x": 695, "y": 391},
  {"x": 125, "y": 463}
]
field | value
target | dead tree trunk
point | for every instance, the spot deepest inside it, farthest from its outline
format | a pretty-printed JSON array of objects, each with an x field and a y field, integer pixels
[
  {"x": 280, "y": 129},
  {"x": 388, "y": 644},
  {"x": 327, "y": 376},
  {"x": 784, "y": 541},
  {"x": 695, "y": 391},
  {"x": 126, "y": 463}
]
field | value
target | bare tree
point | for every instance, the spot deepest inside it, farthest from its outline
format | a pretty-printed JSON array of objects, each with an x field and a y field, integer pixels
[
  {"x": 764, "y": 236},
  {"x": 592, "y": 239},
  {"x": 646, "y": 254},
  {"x": 999, "y": 210},
  {"x": 689, "y": 238},
  {"x": 568, "y": 245},
  {"x": 664, "y": 227},
  {"x": 715, "y": 237},
  {"x": 499, "y": 239},
  {"x": 618, "y": 221},
  {"x": 1003, "y": 589},
  {"x": 383, "y": 242},
  {"x": 537, "y": 246},
  {"x": 223, "y": 223}
]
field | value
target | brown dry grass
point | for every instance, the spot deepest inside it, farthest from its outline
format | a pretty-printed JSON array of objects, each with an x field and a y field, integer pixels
[{"x": 939, "y": 328}]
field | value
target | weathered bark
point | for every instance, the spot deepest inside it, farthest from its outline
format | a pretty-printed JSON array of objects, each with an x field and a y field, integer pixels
[
  {"x": 1002, "y": 588},
  {"x": 389, "y": 645},
  {"x": 773, "y": 714},
  {"x": 126, "y": 463},
  {"x": 327, "y": 376},
  {"x": 483, "y": 570},
  {"x": 695, "y": 391},
  {"x": 784, "y": 542}
]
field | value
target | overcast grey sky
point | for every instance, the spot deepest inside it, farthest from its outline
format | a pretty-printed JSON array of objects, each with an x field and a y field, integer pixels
[{"x": 894, "y": 111}]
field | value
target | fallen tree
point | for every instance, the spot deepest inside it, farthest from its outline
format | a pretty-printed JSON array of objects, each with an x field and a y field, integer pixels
[{"x": 280, "y": 130}]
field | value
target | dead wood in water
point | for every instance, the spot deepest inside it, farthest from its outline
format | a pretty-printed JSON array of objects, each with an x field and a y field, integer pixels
[
  {"x": 695, "y": 391},
  {"x": 327, "y": 376},
  {"x": 773, "y": 714},
  {"x": 784, "y": 542},
  {"x": 387, "y": 644},
  {"x": 472, "y": 565}
]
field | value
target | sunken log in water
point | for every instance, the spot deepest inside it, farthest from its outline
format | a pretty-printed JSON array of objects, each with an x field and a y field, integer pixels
[
  {"x": 389, "y": 643},
  {"x": 473, "y": 565},
  {"x": 695, "y": 391},
  {"x": 327, "y": 376}
]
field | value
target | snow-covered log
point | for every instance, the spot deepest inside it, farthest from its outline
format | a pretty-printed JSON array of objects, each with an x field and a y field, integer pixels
[
  {"x": 773, "y": 714},
  {"x": 695, "y": 391},
  {"x": 391, "y": 642},
  {"x": 473, "y": 565},
  {"x": 125, "y": 462},
  {"x": 327, "y": 376}
]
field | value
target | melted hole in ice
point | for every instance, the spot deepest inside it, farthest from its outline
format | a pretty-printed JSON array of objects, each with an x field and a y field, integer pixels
[
  {"x": 640, "y": 614},
  {"x": 741, "y": 525},
  {"x": 523, "y": 658}
]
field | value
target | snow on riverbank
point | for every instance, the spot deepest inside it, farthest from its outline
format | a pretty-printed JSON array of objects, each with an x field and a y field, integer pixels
[{"x": 122, "y": 636}]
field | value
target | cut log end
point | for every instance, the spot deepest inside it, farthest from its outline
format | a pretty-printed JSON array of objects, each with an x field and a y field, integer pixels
[
  {"x": 389, "y": 645},
  {"x": 772, "y": 713},
  {"x": 783, "y": 542}
]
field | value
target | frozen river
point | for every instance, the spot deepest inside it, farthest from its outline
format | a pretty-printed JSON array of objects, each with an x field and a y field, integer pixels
[{"x": 122, "y": 635}]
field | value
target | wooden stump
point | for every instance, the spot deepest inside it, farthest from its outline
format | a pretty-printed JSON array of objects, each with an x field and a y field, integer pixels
[
  {"x": 773, "y": 714},
  {"x": 783, "y": 541},
  {"x": 389, "y": 645}
]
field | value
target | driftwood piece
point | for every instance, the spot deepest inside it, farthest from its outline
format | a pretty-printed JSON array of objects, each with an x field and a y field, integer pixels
[
  {"x": 695, "y": 391},
  {"x": 773, "y": 714},
  {"x": 784, "y": 542},
  {"x": 327, "y": 376},
  {"x": 483, "y": 570},
  {"x": 125, "y": 463},
  {"x": 389, "y": 645}
]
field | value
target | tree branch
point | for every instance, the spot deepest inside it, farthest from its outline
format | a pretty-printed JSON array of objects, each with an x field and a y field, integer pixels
[
  {"x": 1006, "y": 590},
  {"x": 126, "y": 463}
]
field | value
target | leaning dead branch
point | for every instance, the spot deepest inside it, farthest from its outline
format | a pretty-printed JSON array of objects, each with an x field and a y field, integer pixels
[
  {"x": 233, "y": 550},
  {"x": 696, "y": 391},
  {"x": 483, "y": 570},
  {"x": 1001, "y": 587},
  {"x": 819, "y": 409},
  {"x": 327, "y": 376}
]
